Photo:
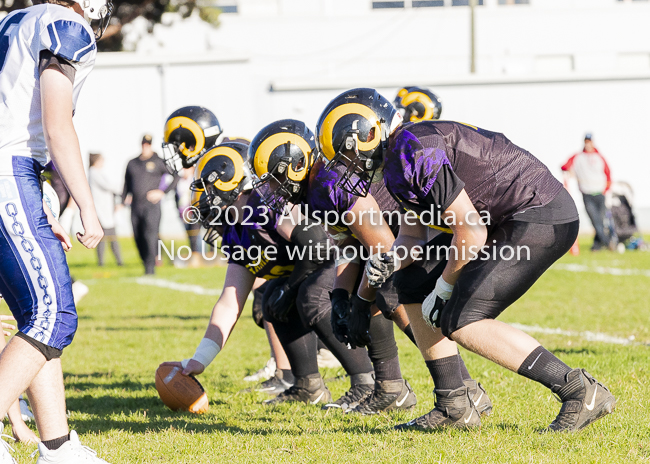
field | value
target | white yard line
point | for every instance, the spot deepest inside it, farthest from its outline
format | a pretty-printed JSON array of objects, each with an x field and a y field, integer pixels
[
  {"x": 188, "y": 288},
  {"x": 601, "y": 270},
  {"x": 171, "y": 285},
  {"x": 587, "y": 335}
]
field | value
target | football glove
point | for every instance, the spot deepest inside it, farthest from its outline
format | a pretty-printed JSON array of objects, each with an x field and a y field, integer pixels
[
  {"x": 340, "y": 299},
  {"x": 281, "y": 301},
  {"x": 359, "y": 323},
  {"x": 435, "y": 302},
  {"x": 380, "y": 267}
]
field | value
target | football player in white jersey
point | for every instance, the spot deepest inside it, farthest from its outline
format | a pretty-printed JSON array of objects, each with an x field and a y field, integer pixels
[{"x": 46, "y": 53}]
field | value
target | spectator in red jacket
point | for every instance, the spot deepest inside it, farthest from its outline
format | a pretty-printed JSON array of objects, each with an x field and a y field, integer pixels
[{"x": 594, "y": 179}]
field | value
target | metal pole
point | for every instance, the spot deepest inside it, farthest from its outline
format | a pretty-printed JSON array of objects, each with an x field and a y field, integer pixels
[{"x": 472, "y": 63}]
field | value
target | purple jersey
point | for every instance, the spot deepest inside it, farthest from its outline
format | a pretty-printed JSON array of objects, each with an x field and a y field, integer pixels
[
  {"x": 429, "y": 163},
  {"x": 256, "y": 244},
  {"x": 323, "y": 195}
]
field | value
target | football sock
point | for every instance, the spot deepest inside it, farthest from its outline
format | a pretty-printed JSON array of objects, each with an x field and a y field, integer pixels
[
  {"x": 300, "y": 345},
  {"x": 544, "y": 367},
  {"x": 463, "y": 368},
  {"x": 446, "y": 373},
  {"x": 383, "y": 349},
  {"x": 388, "y": 370},
  {"x": 57, "y": 442},
  {"x": 287, "y": 375},
  {"x": 353, "y": 361},
  {"x": 408, "y": 331}
]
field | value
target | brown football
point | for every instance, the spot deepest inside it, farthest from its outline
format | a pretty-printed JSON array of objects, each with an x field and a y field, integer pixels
[{"x": 179, "y": 391}]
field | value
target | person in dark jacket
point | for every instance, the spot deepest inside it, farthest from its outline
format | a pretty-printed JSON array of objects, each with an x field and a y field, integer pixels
[{"x": 145, "y": 184}]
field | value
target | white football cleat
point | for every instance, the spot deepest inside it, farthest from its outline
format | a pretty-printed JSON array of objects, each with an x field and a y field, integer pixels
[
  {"x": 5, "y": 449},
  {"x": 72, "y": 452},
  {"x": 264, "y": 373},
  {"x": 25, "y": 413}
]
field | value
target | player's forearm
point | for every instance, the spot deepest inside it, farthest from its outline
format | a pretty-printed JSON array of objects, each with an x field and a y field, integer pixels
[
  {"x": 346, "y": 276},
  {"x": 222, "y": 323},
  {"x": 64, "y": 150},
  {"x": 365, "y": 291},
  {"x": 465, "y": 245},
  {"x": 404, "y": 246}
]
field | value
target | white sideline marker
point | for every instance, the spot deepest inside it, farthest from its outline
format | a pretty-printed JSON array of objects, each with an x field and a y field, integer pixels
[
  {"x": 587, "y": 335},
  {"x": 601, "y": 270}
]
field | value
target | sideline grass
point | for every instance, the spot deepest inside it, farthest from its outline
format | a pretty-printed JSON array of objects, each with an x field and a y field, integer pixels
[{"x": 127, "y": 329}]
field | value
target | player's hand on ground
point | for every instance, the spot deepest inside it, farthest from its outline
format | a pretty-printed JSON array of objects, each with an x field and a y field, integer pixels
[
  {"x": 359, "y": 322},
  {"x": 191, "y": 368},
  {"x": 5, "y": 326},
  {"x": 154, "y": 196},
  {"x": 380, "y": 267},
  {"x": 93, "y": 232},
  {"x": 340, "y": 299}
]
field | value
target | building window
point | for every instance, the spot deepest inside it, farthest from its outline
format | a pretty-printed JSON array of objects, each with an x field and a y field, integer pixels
[
  {"x": 227, "y": 6},
  {"x": 514, "y": 2},
  {"x": 427, "y": 3},
  {"x": 465, "y": 2},
  {"x": 384, "y": 4}
]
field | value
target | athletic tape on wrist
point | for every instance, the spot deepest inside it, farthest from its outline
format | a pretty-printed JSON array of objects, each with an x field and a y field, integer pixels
[
  {"x": 206, "y": 352},
  {"x": 443, "y": 289}
]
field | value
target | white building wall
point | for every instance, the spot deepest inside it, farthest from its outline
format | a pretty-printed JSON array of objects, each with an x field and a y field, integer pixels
[{"x": 546, "y": 74}]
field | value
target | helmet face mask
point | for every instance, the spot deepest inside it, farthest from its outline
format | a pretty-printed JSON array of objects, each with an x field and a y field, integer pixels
[
  {"x": 418, "y": 104},
  {"x": 360, "y": 169},
  {"x": 282, "y": 155},
  {"x": 97, "y": 10},
  {"x": 350, "y": 118},
  {"x": 190, "y": 132},
  {"x": 223, "y": 175}
]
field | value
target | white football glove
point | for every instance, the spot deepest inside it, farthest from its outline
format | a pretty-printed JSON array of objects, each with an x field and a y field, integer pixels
[
  {"x": 433, "y": 304},
  {"x": 380, "y": 267}
]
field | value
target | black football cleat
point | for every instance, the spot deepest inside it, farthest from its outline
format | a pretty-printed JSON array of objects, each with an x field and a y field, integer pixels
[
  {"x": 479, "y": 397},
  {"x": 387, "y": 396},
  {"x": 584, "y": 400},
  {"x": 274, "y": 386},
  {"x": 454, "y": 408},
  {"x": 305, "y": 390},
  {"x": 357, "y": 393}
]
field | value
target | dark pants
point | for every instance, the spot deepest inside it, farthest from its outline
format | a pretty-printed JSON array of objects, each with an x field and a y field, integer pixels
[
  {"x": 194, "y": 234},
  {"x": 146, "y": 225},
  {"x": 596, "y": 209},
  {"x": 109, "y": 236}
]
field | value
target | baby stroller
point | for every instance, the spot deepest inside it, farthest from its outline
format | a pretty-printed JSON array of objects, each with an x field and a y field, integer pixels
[{"x": 621, "y": 220}]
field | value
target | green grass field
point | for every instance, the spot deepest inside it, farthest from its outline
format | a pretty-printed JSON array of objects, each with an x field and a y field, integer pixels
[{"x": 126, "y": 329}]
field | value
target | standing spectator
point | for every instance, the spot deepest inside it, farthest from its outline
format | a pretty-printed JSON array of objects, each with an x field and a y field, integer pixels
[
  {"x": 104, "y": 192},
  {"x": 183, "y": 202},
  {"x": 142, "y": 181},
  {"x": 592, "y": 172}
]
